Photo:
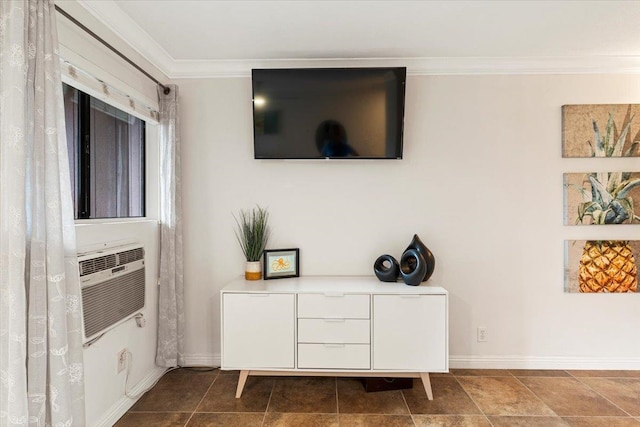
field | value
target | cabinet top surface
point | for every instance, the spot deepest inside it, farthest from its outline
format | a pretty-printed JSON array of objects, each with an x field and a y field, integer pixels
[{"x": 330, "y": 284}]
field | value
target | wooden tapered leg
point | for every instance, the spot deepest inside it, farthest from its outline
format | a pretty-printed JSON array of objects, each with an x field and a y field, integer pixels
[
  {"x": 424, "y": 376},
  {"x": 241, "y": 381}
]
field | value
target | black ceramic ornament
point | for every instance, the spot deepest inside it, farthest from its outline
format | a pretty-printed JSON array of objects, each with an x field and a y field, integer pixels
[
  {"x": 413, "y": 267},
  {"x": 430, "y": 260},
  {"x": 384, "y": 273}
]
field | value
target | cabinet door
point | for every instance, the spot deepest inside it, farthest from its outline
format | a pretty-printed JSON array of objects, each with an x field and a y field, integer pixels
[
  {"x": 410, "y": 332},
  {"x": 258, "y": 331}
]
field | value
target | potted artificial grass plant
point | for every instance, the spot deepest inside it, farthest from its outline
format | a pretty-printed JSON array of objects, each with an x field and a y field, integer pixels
[{"x": 252, "y": 234}]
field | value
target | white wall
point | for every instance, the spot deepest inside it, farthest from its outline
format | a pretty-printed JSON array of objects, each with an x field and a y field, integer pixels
[
  {"x": 104, "y": 386},
  {"x": 480, "y": 183}
]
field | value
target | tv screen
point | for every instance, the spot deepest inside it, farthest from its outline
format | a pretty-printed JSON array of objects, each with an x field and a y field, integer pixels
[{"x": 336, "y": 113}]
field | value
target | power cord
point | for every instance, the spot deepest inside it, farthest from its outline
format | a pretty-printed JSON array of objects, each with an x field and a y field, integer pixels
[
  {"x": 129, "y": 362},
  {"x": 126, "y": 379}
]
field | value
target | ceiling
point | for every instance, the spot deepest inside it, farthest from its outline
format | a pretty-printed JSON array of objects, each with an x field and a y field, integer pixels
[{"x": 199, "y": 37}]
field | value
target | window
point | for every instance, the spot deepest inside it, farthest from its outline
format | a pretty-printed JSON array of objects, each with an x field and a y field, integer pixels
[{"x": 106, "y": 158}]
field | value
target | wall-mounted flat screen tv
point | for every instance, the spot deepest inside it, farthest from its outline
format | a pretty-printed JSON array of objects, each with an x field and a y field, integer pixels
[{"x": 328, "y": 113}]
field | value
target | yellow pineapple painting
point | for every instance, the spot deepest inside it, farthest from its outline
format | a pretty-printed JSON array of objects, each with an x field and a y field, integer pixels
[{"x": 606, "y": 266}]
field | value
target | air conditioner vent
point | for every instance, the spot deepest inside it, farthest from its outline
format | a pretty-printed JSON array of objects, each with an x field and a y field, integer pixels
[
  {"x": 90, "y": 266},
  {"x": 109, "y": 302},
  {"x": 130, "y": 256}
]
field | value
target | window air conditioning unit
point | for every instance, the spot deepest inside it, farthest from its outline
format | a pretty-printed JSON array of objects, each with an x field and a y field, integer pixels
[{"x": 112, "y": 282}]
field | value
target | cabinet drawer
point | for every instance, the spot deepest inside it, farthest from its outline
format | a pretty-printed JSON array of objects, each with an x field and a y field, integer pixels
[
  {"x": 346, "y": 331},
  {"x": 334, "y": 356},
  {"x": 343, "y": 306}
]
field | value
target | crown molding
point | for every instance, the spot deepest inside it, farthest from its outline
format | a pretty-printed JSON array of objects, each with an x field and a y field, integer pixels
[
  {"x": 114, "y": 18},
  {"x": 108, "y": 12},
  {"x": 421, "y": 66}
]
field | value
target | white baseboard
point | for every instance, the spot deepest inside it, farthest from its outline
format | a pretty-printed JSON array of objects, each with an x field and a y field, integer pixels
[
  {"x": 544, "y": 362},
  {"x": 124, "y": 403},
  {"x": 492, "y": 362},
  {"x": 202, "y": 359}
]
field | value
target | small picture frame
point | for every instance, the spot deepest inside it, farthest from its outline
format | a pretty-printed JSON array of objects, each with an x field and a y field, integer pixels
[{"x": 281, "y": 263}]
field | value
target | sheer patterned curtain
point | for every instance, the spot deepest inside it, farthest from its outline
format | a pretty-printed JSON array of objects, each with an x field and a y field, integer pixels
[
  {"x": 41, "y": 371},
  {"x": 170, "y": 351}
]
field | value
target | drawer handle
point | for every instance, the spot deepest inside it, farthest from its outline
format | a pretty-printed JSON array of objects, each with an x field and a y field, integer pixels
[
  {"x": 410, "y": 296},
  {"x": 333, "y": 294},
  {"x": 334, "y": 319},
  {"x": 334, "y": 345},
  {"x": 259, "y": 295}
]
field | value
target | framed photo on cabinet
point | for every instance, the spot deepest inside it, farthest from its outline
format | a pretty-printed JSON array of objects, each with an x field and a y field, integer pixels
[{"x": 281, "y": 263}]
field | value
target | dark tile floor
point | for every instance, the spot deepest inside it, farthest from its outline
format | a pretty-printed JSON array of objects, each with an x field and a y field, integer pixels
[{"x": 463, "y": 398}]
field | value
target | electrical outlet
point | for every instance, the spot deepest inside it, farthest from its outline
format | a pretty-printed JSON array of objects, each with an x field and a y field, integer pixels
[
  {"x": 482, "y": 334},
  {"x": 122, "y": 360}
]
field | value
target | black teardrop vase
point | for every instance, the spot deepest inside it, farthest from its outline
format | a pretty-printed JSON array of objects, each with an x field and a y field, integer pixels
[
  {"x": 412, "y": 267},
  {"x": 386, "y": 274},
  {"x": 430, "y": 260}
]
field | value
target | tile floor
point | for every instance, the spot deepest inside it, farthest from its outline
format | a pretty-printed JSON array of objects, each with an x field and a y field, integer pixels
[{"x": 463, "y": 398}]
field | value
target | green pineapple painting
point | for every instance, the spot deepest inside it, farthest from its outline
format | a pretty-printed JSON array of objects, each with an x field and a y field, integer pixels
[{"x": 582, "y": 135}]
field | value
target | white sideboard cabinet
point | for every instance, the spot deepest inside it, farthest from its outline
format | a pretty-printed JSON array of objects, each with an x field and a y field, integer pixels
[{"x": 334, "y": 326}]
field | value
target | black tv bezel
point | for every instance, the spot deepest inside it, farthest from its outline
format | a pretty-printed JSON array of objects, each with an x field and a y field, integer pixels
[{"x": 402, "y": 83}]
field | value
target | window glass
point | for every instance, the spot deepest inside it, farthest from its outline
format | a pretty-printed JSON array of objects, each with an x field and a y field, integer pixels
[{"x": 106, "y": 157}]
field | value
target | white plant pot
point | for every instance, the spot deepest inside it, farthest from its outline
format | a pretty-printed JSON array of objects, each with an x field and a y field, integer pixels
[{"x": 253, "y": 270}]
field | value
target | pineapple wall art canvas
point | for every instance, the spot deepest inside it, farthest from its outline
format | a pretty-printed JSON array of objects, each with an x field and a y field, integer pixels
[
  {"x": 601, "y": 266},
  {"x": 601, "y": 198},
  {"x": 601, "y": 130}
]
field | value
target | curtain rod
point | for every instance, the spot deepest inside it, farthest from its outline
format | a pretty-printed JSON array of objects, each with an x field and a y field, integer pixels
[{"x": 113, "y": 49}]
